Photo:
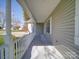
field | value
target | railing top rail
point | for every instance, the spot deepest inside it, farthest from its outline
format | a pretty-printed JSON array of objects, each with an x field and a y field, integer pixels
[
  {"x": 3, "y": 46},
  {"x": 18, "y": 39},
  {"x": 22, "y": 37}
]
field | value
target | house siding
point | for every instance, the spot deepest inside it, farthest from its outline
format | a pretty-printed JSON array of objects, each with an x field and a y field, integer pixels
[
  {"x": 64, "y": 24},
  {"x": 39, "y": 28}
]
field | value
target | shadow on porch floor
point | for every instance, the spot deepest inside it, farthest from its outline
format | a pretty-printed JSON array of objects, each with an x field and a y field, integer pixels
[
  {"x": 39, "y": 40},
  {"x": 42, "y": 48}
]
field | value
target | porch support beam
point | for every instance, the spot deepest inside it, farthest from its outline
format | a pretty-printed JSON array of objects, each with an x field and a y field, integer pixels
[
  {"x": 9, "y": 51},
  {"x": 8, "y": 18}
]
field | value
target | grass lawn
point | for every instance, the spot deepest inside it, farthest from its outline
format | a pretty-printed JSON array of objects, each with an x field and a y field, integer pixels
[
  {"x": 1, "y": 32},
  {"x": 1, "y": 37},
  {"x": 1, "y": 40}
]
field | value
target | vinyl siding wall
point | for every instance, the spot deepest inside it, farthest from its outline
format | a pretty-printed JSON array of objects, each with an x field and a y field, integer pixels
[
  {"x": 64, "y": 24},
  {"x": 39, "y": 28}
]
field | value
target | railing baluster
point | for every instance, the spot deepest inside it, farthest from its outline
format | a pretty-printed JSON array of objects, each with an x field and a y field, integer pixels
[
  {"x": 21, "y": 44},
  {"x": 4, "y": 52},
  {"x": 16, "y": 50},
  {"x": 20, "y": 48},
  {"x": 1, "y": 54}
]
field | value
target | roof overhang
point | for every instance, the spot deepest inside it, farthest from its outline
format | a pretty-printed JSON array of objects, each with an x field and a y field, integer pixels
[{"x": 40, "y": 9}]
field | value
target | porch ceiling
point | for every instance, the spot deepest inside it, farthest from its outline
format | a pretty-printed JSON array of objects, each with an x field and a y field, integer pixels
[{"x": 41, "y": 9}]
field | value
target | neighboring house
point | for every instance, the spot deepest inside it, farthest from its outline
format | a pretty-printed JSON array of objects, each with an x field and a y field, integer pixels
[{"x": 15, "y": 25}]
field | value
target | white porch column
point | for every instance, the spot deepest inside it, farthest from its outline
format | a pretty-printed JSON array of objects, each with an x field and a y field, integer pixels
[
  {"x": 9, "y": 53},
  {"x": 8, "y": 20},
  {"x": 77, "y": 22},
  {"x": 51, "y": 26}
]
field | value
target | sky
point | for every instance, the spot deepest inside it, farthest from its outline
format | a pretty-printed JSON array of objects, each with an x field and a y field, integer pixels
[{"x": 16, "y": 10}]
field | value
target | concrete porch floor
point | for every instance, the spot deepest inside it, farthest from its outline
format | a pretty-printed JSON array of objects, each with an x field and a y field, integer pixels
[
  {"x": 42, "y": 48},
  {"x": 39, "y": 40}
]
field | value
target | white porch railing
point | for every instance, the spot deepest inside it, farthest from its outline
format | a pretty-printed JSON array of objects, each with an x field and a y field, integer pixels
[
  {"x": 20, "y": 46},
  {"x": 3, "y": 52}
]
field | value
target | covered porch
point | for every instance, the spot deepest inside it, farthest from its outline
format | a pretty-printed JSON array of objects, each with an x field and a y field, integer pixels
[{"x": 54, "y": 34}]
